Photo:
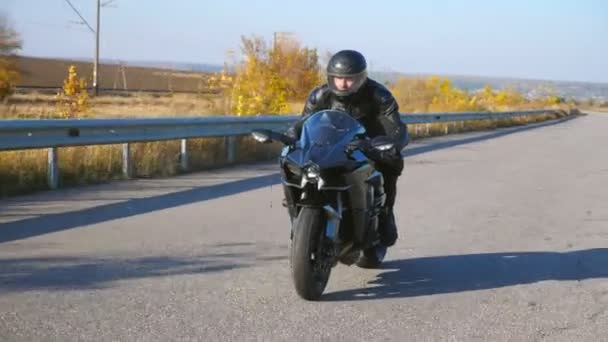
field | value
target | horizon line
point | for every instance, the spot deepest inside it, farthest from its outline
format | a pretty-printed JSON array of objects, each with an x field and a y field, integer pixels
[{"x": 421, "y": 73}]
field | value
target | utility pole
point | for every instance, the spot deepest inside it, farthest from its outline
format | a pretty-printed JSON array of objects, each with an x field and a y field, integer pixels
[
  {"x": 96, "y": 64},
  {"x": 96, "y": 33}
]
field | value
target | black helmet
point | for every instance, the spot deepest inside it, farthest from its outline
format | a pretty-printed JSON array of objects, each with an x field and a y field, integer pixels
[{"x": 347, "y": 63}]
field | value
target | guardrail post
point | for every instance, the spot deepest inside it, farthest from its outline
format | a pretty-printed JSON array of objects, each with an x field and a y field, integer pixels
[
  {"x": 230, "y": 144},
  {"x": 127, "y": 165},
  {"x": 183, "y": 155},
  {"x": 53, "y": 168}
]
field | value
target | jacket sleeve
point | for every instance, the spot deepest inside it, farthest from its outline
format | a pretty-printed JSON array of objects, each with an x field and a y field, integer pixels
[
  {"x": 390, "y": 119},
  {"x": 312, "y": 105},
  {"x": 390, "y": 161}
]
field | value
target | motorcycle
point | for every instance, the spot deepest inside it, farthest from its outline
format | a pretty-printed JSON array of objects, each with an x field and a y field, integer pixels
[{"x": 334, "y": 195}]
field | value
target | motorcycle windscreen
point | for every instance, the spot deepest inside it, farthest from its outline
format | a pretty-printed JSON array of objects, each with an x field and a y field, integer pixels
[{"x": 325, "y": 135}]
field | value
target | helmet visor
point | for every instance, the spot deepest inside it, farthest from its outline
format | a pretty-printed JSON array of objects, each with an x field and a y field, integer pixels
[{"x": 344, "y": 85}]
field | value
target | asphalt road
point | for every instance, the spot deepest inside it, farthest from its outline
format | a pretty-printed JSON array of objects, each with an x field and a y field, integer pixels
[{"x": 502, "y": 238}]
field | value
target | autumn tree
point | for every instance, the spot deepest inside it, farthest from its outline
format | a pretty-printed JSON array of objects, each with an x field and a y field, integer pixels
[
  {"x": 9, "y": 45},
  {"x": 272, "y": 76},
  {"x": 73, "y": 99}
]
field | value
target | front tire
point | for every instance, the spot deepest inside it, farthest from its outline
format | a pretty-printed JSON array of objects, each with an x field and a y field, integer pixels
[{"x": 309, "y": 270}]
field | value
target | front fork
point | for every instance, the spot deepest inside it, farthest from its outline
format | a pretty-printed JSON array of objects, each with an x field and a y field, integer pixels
[
  {"x": 333, "y": 211},
  {"x": 334, "y": 217}
]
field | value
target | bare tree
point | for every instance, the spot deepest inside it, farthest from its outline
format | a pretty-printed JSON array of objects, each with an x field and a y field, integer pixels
[{"x": 9, "y": 40}]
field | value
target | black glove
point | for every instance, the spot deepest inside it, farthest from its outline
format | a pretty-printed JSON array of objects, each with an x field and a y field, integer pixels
[
  {"x": 389, "y": 160},
  {"x": 291, "y": 132},
  {"x": 362, "y": 144}
]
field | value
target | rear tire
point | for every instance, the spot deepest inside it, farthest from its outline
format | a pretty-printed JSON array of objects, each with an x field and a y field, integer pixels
[{"x": 309, "y": 277}]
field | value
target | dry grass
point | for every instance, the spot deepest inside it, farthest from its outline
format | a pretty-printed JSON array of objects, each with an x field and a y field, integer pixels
[
  {"x": 48, "y": 72},
  {"x": 22, "y": 171},
  {"x": 150, "y": 106},
  {"x": 41, "y": 106},
  {"x": 25, "y": 171},
  {"x": 600, "y": 109},
  {"x": 144, "y": 105},
  {"x": 420, "y": 131}
]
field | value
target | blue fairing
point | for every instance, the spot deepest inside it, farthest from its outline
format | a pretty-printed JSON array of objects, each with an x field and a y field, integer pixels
[{"x": 324, "y": 137}]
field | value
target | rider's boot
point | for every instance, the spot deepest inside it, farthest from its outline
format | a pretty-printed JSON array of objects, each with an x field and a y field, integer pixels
[{"x": 387, "y": 228}]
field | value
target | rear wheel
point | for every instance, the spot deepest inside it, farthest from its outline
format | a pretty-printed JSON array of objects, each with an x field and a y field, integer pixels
[{"x": 310, "y": 268}]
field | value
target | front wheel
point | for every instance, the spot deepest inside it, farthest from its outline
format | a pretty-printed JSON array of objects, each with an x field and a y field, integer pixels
[
  {"x": 309, "y": 268},
  {"x": 372, "y": 257}
]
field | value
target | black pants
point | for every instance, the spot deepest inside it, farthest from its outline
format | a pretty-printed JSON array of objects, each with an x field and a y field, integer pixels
[
  {"x": 390, "y": 188},
  {"x": 390, "y": 164}
]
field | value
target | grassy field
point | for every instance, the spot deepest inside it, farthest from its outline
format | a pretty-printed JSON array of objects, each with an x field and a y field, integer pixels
[
  {"x": 48, "y": 72},
  {"x": 23, "y": 172},
  {"x": 43, "y": 106},
  {"x": 601, "y": 109}
]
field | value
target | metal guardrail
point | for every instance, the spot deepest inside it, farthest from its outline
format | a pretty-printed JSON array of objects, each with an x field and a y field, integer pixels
[
  {"x": 112, "y": 91},
  {"x": 30, "y": 134},
  {"x": 26, "y": 134}
]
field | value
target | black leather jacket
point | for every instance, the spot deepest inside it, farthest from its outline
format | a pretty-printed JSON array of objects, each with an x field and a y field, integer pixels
[{"x": 373, "y": 106}]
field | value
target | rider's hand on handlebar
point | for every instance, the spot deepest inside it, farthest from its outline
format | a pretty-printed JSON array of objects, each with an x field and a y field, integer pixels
[{"x": 362, "y": 144}]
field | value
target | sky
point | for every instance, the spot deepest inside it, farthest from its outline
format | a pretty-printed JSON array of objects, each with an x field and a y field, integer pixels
[{"x": 535, "y": 39}]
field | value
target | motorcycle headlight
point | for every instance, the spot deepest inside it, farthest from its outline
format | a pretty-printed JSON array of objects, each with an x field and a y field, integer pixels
[{"x": 313, "y": 172}]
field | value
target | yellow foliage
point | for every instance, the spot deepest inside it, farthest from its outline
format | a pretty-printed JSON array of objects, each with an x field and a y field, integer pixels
[
  {"x": 270, "y": 78},
  {"x": 553, "y": 100},
  {"x": 220, "y": 81},
  {"x": 501, "y": 100},
  {"x": 74, "y": 99},
  {"x": 437, "y": 94},
  {"x": 8, "y": 78}
]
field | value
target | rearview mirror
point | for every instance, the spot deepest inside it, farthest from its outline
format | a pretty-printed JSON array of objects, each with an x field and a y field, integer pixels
[
  {"x": 262, "y": 135},
  {"x": 266, "y": 136}
]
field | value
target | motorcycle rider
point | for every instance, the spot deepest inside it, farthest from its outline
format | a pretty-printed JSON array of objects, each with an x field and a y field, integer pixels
[{"x": 349, "y": 89}]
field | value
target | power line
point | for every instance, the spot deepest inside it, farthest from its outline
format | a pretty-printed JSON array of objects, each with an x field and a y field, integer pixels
[
  {"x": 96, "y": 33},
  {"x": 80, "y": 15},
  {"x": 96, "y": 64}
]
